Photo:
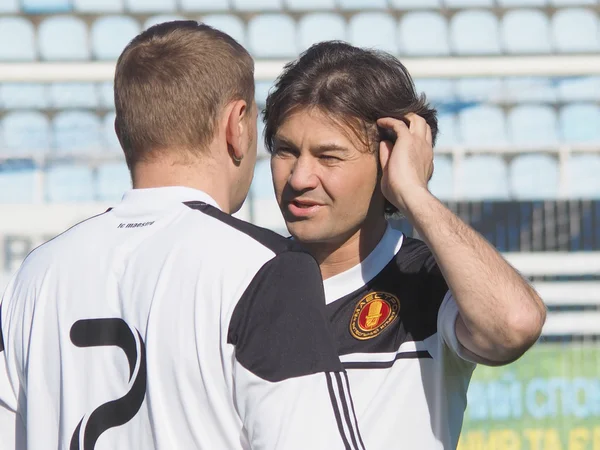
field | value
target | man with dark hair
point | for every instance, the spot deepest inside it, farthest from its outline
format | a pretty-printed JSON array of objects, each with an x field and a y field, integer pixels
[
  {"x": 349, "y": 138},
  {"x": 165, "y": 323}
]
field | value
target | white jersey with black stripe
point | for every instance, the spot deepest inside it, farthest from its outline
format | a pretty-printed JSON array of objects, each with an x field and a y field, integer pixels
[
  {"x": 393, "y": 317},
  {"x": 166, "y": 324}
]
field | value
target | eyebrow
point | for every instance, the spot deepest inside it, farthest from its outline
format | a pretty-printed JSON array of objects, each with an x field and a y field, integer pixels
[{"x": 329, "y": 147}]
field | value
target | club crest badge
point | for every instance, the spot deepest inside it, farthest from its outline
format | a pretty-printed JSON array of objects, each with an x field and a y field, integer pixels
[{"x": 373, "y": 314}]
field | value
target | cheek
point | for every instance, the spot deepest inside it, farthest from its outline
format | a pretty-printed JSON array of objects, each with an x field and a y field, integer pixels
[
  {"x": 352, "y": 186},
  {"x": 279, "y": 173}
]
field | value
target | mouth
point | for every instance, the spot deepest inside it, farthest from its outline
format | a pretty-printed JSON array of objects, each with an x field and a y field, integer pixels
[{"x": 303, "y": 208}]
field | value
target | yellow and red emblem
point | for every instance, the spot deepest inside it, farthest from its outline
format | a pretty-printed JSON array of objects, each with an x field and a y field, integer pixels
[{"x": 373, "y": 314}]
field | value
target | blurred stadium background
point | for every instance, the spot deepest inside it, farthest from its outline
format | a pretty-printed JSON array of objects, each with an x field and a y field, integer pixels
[{"x": 517, "y": 86}]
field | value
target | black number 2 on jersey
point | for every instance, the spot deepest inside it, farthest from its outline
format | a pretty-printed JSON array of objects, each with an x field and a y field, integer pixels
[{"x": 111, "y": 332}]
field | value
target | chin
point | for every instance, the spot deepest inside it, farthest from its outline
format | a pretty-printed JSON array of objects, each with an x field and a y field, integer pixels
[{"x": 306, "y": 232}]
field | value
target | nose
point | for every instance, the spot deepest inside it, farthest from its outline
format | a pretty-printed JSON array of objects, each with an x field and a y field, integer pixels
[{"x": 303, "y": 176}]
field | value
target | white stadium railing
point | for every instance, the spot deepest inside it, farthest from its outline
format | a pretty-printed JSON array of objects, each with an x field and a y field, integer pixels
[
  {"x": 564, "y": 293},
  {"x": 501, "y": 66}
]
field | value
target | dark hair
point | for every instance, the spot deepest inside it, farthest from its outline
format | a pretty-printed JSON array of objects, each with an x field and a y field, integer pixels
[
  {"x": 171, "y": 81},
  {"x": 354, "y": 86}
]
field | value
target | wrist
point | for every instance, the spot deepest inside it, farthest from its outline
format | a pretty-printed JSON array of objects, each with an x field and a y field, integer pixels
[{"x": 410, "y": 198}]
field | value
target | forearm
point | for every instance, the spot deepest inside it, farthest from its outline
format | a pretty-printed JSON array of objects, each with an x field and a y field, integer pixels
[{"x": 501, "y": 314}]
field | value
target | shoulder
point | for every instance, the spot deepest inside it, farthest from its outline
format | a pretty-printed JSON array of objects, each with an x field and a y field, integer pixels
[
  {"x": 69, "y": 240},
  {"x": 415, "y": 257},
  {"x": 266, "y": 238}
]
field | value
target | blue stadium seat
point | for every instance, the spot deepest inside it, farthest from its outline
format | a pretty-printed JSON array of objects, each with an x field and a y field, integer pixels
[
  {"x": 310, "y": 5},
  {"x": 9, "y": 6},
  {"x": 232, "y": 25},
  {"x": 437, "y": 90},
  {"x": 579, "y": 89},
  {"x": 63, "y": 38},
  {"x": 20, "y": 33},
  {"x": 150, "y": 6},
  {"x": 576, "y": 30},
  {"x": 204, "y": 5},
  {"x": 77, "y": 131},
  {"x": 521, "y": 3},
  {"x": 98, "y": 6},
  {"x": 45, "y": 6},
  {"x": 112, "y": 181},
  {"x": 482, "y": 177},
  {"x": 448, "y": 132},
  {"x": 526, "y": 31},
  {"x": 66, "y": 183},
  {"x": 482, "y": 126},
  {"x": 107, "y": 96},
  {"x": 424, "y": 33},
  {"x": 313, "y": 28},
  {"x": 109, "y": 137},
  {"x": 469, "y": 3},
  {"x": 26, "y": 131},
  {"x": 529, "y": 89},
  {"x": 534, "y": 177},
  {"x": 17, "y": 184},
  {"x": 23, "y": 95},
  {"x": 110, "y": 35},
  {"x": 374, "y": 30},
  {"x": 531, "y": 125},
  {"x": 442, "y": 182},
  {"x": 272, "y": 36},
  {"x": 579, "y": 123},
  {"x": 406, "y": 5},
  {"x": 582, "y": 175},
  {"x": 155, "y": 20},
  {"x": 257, "y": 5},
  {"x": 73, "y": 95},
  {"x": 362, "y": 4},
  {"x": 474, "y": 32},
  {"x": 479, "y": 89}
]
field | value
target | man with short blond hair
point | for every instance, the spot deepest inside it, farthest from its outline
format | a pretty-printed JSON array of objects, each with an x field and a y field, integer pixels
[{"x": 165, "y": 323}]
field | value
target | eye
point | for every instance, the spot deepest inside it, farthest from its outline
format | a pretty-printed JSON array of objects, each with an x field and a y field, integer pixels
[
  {"x": 329, "y": 158},
  {"x": 284, "y": 151}
]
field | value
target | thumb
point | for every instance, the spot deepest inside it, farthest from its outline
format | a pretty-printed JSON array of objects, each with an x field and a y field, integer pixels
[{"x": 385, "y": 151}]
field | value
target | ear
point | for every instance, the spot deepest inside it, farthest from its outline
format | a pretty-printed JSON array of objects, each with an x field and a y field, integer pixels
[{"x": 236, "y": 131}]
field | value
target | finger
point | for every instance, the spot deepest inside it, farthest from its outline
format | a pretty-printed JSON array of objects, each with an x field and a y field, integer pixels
[
  {"x": 429, "y": 137},
  {"x": 398, "y": 126},
  {"x": 418, "y": 125},
  {"x": 385, "y": 151}
]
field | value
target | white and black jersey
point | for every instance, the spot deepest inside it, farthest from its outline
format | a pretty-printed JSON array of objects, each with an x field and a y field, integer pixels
[
  {"x": 165, "y": 323},
  {"x": 394, "y": 319}
]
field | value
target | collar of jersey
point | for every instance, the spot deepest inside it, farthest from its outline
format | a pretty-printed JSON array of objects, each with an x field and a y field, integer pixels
[
  {"x": 167, "y": 195},
  {"x": 354, "y": 278}
]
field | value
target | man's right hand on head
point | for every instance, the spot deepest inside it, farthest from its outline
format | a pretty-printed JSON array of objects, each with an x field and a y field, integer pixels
[{"x": 408, "y": 164}]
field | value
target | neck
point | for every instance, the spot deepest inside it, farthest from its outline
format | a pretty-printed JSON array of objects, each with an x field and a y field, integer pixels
[
  {"x": 197, "y": 175},
  {"x": 337, "y": 257}
]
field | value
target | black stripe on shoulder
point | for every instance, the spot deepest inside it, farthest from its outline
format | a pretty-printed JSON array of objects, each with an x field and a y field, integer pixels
[
  {"x": 273, "y": 241},
  {"x": 1, "y": 338}
]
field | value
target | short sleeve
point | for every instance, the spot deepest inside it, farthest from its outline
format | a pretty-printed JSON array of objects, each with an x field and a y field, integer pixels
[
  {"x": 290, "y": 388},
  {"x": 447, "y": 315},
  {"x": 279, "y": 326}
]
